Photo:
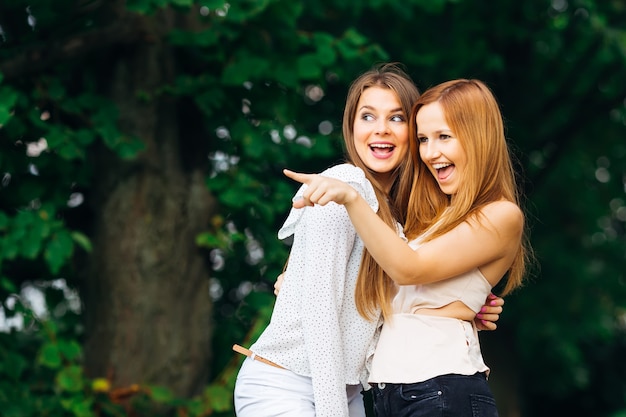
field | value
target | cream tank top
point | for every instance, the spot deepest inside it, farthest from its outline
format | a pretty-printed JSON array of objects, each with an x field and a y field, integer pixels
[{"x": 414, "y": 347}]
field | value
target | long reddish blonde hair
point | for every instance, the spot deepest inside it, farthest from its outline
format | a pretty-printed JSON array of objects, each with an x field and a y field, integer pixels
[{"x": 473, "y": 114}]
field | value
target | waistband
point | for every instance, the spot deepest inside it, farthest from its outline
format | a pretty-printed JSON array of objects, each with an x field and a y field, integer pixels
[{"x": 254, "y": 356}]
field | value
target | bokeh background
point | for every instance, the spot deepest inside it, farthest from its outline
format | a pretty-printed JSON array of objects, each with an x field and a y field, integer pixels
[{"x": 141, "y": 149}]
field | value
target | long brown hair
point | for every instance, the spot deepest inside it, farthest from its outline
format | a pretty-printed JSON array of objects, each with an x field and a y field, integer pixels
[
  {"x": 374, "y": 288},
  {"x": 473, "y": 114}
]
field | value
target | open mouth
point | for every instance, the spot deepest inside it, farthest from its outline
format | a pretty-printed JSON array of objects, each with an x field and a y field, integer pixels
[
  {"x": 443, "y": 170},
  {"x": 382, "y": 148}
]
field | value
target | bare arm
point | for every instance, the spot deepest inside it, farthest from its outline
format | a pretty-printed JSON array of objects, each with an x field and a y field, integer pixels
[
  {"x": 489, "y": 245},
  {"x": 485, "y": 320}
]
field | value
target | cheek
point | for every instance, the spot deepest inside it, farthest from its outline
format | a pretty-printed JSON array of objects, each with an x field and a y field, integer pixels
[
  {"x": 360, "y": 135},
  {"x": 402, "y": 135}
]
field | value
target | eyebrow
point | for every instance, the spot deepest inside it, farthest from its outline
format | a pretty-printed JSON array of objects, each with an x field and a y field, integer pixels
[
  {"x": 436, "y": 132},
  {"x": 397, "y": 109}
]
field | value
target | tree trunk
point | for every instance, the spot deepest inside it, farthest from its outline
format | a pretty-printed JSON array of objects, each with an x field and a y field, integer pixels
[{"x": 146, "y": 294}]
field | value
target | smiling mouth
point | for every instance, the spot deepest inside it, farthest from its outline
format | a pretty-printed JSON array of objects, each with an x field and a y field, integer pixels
[
  {"x": 443, "y": 170},
  {"x": 382, "y": 148}
]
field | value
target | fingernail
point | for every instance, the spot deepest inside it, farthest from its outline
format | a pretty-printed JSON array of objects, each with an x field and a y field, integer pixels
[
  {"x": 483, "y": 309},
  {"x": 493, "y": 303},
  {"x": 479, "y": 315}
]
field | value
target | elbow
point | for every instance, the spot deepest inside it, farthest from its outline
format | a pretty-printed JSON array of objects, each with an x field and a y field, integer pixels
[{"x": 404, "y": 278}]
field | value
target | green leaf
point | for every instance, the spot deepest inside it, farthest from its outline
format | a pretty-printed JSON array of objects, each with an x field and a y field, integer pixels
[
  {"x": 35, "y": 233},
  {"x": 209, "y": 240},
  {"x": 325, "y": 53},
  {"x": 55, "y": 137},
  {"x": 200, "y": 39},
  {"x": 70, "y": 379},
  {"x": 140, "y": 6},
  {"x": 286, "y": 75},
  {"x": 7, "y": 285},
  {"x": 79, "y": 406},
  {"x": 309, "y": 66},
  {"x": 212, "y": 4},
  {"x": 82, "y": 240},
  {"x": 128, "y": 148},
  {"x": 84, "y": 137},
  {"x": 13, "y": 365},
  {"x": 70, "y": 349},
  {"x": 109, "y": 134},
  {"x": 355, "y": 38},
  {"x": 58, "y": 250},
  {"x": 50, "y": 355},
  {"x": 160, "y": 394},
  {"x": 245, "y": 68},
  {"x": 182, "y": 3},
  {"x": 219, "y": 397}
]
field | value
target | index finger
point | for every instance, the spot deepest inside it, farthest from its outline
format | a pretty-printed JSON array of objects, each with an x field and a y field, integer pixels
[{"x": 302, "y": 178}]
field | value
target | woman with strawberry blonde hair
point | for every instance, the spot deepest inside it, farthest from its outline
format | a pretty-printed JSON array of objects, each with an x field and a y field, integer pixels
[{"x": 465, "y": 230}]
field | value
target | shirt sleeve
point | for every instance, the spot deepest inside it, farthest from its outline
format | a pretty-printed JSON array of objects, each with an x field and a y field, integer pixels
[{"x": 328, "y": 238}]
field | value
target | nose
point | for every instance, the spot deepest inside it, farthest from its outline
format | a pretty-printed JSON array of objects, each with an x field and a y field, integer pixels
[
  {"x": 382, "y": 128},
  {"x": 429, "y": 150}
]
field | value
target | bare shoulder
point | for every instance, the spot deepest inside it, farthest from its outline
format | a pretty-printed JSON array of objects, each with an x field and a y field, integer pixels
[{"x": 505, "y": 216}]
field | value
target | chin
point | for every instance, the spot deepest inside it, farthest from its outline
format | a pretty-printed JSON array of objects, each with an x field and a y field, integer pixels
[{"x": 446, "y": 189}]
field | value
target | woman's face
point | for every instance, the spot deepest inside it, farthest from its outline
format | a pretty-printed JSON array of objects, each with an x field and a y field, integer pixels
[
  {"x": 439, "y": 148},
  {"x": 381, "y": 131}
]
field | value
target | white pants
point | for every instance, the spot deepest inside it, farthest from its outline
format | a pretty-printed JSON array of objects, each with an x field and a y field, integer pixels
[{"x": 262, "y": 390}]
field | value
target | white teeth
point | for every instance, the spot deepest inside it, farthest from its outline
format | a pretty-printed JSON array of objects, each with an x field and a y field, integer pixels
[
  {"x": 441, "y": 165},
  {"x": 381, "y": 145}
]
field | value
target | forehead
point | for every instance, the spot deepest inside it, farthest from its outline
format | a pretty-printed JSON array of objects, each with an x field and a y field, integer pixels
[
  {"x": 431, "y": 117},
  {"x": 379, "y": 98}
]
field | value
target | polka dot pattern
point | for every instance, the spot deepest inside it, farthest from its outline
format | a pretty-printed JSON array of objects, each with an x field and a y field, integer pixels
[{"x": 315, "y": 329}]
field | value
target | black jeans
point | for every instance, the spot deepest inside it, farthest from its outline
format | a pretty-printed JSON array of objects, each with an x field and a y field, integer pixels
[{"x": 442, "y": 396}]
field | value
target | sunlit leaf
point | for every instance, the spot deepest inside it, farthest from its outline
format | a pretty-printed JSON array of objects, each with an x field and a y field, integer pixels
[
  {"x": 70, "y": 379},
  {"x": 209, "y": 240},
  {"x": 79, "y": 407},
  {"x": 82, "y": 240},
  {"x": 50, "y": 355},
  {"x": 70, "y": 349}
]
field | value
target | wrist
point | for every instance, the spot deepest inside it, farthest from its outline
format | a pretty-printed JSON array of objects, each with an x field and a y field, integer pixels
[{"x": 351, "y": 197}]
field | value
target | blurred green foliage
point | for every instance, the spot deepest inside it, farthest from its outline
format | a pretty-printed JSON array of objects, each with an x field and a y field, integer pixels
[{"x": 262, "y": 76}]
